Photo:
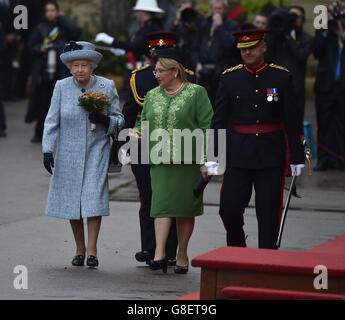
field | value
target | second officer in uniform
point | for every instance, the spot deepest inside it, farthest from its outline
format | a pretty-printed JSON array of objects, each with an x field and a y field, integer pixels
[{"x": 256, "y": 104}]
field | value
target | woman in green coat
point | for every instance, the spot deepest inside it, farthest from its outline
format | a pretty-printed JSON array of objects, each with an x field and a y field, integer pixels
[{"x": 173, "y": 108}]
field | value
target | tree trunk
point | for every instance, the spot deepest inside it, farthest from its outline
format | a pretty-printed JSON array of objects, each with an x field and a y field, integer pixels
[{"x": 116, "y": 16}]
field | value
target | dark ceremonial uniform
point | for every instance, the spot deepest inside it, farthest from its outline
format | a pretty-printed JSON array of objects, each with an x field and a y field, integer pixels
[
  {"x": 139, "y": 42},
  {"x": 258, "y": 110}
]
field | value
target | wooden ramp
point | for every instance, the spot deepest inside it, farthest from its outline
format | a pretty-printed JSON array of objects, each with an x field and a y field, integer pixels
[{"x": 250, "y": 273}]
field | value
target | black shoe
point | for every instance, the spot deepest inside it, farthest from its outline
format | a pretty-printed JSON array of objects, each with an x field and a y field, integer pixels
[
  {"x": 181, "y": 270},
  {"x": 159, "y": 264},
  {"x": 321, "y": 167},
  {"x": 92, "y": 261},
  {"x": 78, "y": 260},
  {"x": 144, "y": 256}
]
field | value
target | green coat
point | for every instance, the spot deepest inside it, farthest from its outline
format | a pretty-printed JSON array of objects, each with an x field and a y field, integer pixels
[{"x": 190, "y": 109}]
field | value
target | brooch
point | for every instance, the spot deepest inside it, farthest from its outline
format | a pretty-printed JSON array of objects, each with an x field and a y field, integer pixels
[{"x": 102, "y": 85}]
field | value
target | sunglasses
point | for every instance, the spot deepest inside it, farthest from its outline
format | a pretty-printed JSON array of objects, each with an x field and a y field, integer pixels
[{"x": 72, "y": 46}]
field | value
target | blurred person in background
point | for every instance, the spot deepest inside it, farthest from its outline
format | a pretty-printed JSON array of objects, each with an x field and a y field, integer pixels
[
  {"x": 8, "y": 64},
  {"x": 290, "y": 47},
  {"x": 330, "y": 88},
  {"x": 137, "y": 48},
  {"x": 188, "y": 22},
  {"x": 35, "y": 13},
  {"x": 46, "y": 43},
  {"x": 2, "y": 110},
  {"x": 237, "y": 12},
  {"x": 260, "y": 21},
  {"x": 216, "y": 47}
]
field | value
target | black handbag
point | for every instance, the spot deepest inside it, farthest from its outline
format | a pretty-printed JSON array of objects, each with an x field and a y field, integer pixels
[{"x": 114, "y": 163}]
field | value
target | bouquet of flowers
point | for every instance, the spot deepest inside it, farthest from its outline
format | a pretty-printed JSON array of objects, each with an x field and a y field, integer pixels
[{"x": 93, "y": 102}]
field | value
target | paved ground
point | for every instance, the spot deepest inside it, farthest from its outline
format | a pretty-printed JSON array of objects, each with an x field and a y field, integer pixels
[{"x": 45, "y": 245}]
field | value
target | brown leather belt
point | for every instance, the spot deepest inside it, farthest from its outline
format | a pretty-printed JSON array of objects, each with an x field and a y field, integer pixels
[{"x": 257, "y": 128}]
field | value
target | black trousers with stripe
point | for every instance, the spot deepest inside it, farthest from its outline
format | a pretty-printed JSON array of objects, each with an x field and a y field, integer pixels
[{"x": 236, "y": 193}]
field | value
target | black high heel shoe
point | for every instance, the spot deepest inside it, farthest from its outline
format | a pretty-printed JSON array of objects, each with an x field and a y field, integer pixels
[
  {"x": 78, "y": 260},
  {"x": 181, "y": 270},
  {"x": 92, "y": 261},
  {"x": 159, "y": 264}
]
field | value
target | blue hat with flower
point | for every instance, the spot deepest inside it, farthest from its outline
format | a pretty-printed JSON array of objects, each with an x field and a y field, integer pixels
[{"x": 80, "y": 50}]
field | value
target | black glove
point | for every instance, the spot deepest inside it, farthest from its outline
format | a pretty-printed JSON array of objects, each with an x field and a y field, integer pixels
[
  {"x": 48, "y": 161},
  {"x": 99, "y": 118},
  {"x": 199, "y": 187}
]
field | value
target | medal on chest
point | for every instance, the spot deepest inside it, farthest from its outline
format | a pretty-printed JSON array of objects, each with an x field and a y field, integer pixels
[{"x": 272, "y": 94}]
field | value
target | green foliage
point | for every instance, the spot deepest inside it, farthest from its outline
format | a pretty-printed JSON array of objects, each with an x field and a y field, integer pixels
[
  {"x": 254, "y": 6},
  {"x": 204, "y": 8}
]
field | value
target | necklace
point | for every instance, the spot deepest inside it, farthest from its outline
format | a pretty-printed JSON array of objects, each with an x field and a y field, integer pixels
[{"x": 173, "y": 92}]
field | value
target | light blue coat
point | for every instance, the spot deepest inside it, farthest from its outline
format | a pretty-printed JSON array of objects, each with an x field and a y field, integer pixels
[{"x": 79, "y": 184}]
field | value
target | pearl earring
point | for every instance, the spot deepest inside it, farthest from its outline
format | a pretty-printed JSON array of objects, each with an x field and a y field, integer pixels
[{"x": 175, "y": 75}]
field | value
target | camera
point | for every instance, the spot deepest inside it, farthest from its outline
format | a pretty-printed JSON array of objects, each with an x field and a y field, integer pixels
[
  {"x": 282, "y": 21},
  {"x": 337, "y": 13},
  {"x": 188, "y": 15}
]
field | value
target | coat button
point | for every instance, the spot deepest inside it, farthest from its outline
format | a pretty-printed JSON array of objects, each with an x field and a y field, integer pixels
[
  {"x": 257, "y": 134},
  {"x": 256, "y": 106},
  {"x": 256, "y": 91},
  {"x": 257, "y": 76},
  {"x": 237, "y": 97},
  {"x": 257, "y": 121}
]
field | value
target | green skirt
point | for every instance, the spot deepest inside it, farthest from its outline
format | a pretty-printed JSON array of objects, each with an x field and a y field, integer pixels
[{"x": 172, "y": 191}]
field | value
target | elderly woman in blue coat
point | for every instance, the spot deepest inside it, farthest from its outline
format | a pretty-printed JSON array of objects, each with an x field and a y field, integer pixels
[{"x": 79, "y": 185}]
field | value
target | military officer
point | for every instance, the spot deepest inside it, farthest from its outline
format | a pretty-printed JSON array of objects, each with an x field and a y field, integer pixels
[
  {"x": 142, "y": 80},
  {"x": 256, "y": 103}
]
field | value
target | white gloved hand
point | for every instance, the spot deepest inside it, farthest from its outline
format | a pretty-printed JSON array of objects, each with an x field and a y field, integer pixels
[
  {"x": 296, "y": 169},
  {"x": 118, "y": 52},
  {"x": 103, "y": 37}
]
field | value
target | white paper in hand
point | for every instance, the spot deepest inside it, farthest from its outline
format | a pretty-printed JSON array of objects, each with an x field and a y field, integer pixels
[{"x": 212, "y": 168}]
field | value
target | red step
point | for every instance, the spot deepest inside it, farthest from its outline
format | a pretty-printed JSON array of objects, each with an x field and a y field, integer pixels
[
  {"x": 272, "y": 261},
  {"x": 335, "y": 246},
  {"x": 250, "y": 293},
  {"x": 190, "y": 296}
]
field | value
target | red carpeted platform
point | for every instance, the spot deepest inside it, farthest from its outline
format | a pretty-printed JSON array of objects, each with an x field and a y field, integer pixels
[
  {"x": 264, "y": 260},
  {"x": 251, "y": 273},
  {"x": 249, "y": 293}
]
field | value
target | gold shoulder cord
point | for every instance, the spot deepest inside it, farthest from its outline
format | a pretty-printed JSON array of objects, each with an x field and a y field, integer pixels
[
  {"x": 137, "y": 99},
  {"x": 272, "y": 65},
  {"x": 238, "y": 67}
]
